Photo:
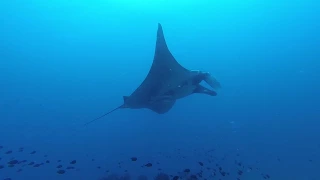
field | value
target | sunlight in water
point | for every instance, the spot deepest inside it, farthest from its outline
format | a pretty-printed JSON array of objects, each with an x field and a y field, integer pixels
[
  {"x": 146, "y": 3},
  {"x": 153, "y": 5}
]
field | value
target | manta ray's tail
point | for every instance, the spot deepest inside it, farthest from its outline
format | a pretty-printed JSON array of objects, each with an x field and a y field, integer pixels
[{"x": 104, "y": 115}]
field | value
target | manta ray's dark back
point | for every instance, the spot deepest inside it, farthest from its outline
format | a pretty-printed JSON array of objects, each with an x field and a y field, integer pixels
[{"x": 165, "y": 73}]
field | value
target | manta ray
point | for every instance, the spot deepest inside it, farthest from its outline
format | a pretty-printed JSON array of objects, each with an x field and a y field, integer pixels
[{"x": 166, "y": 82}]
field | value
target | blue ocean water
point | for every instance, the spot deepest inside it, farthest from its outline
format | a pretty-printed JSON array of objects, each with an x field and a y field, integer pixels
[{"x": 63, "y": 63}]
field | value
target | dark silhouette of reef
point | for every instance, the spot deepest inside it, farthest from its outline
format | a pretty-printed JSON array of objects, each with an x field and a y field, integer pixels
[
  {"x": 116, "y": 177},
  {"x": 160, "y": 176},
  {"x": 209, "y": 166}
]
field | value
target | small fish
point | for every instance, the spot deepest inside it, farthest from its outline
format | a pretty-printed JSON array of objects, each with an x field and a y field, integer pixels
[
  {"x": 31, "y": 163},
  {"x": 187, "y": 170},
  {"x": 278, "y": 159},
  {"x": 73, "y": 162},
  {"x": 47, "y": 161},
  {"x": 1, "y": 167},
  {"x": 33, "y": 152},
  {"x": 200, "y": 163},
  {"x": 148, "y": 165},
  {"x": 9, "y": 152},
  {"x": 61, "y": 171},
  {"x": 70, "y": 167},
  {"x": 175, "y": 178},
  {"x": 23, "y": 161},
  {"x": 223, "y": 173},
  {"x": 267, "y": 176},
  {"x": 134, "y": 159},
  {"x": 59, "y": 166},
  {"x": 13, "y": 162},
  {"x": 37, "y": 165}
]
